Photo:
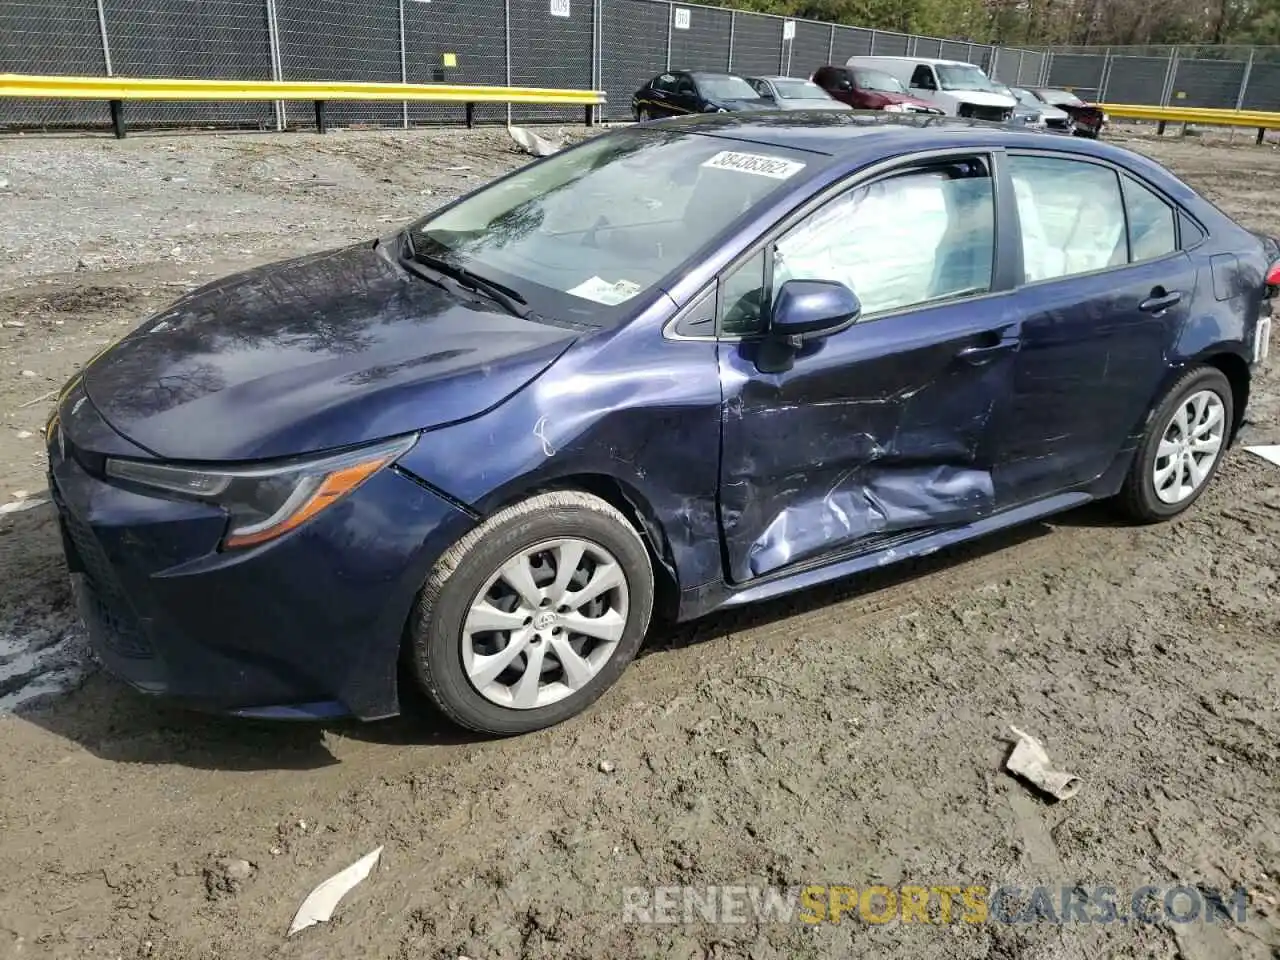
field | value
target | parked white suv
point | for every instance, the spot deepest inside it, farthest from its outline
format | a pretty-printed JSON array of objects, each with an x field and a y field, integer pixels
[{"x": 957, "y": 88}]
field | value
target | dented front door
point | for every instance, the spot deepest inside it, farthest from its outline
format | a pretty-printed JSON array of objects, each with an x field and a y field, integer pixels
[
  {"x": 884, "y": 429},
  {"x": 881, "y": 429}
]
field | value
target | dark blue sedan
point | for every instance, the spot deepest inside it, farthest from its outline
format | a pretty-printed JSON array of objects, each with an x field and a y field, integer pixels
[{"x": 679, "y": 367}]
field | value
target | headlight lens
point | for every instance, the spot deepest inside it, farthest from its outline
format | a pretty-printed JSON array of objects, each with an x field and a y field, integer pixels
[
  {"x": 268, "y": 501},
  {"x": 894, "y": 108}
]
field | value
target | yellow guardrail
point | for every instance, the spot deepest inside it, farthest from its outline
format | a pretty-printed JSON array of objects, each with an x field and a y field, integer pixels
[
  {"x": 1261, "y": 120},
  {"x": 116, "y": 90}
]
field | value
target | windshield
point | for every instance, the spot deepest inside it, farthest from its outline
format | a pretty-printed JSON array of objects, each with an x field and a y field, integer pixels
[
  {"x": 1058, "y": 97},
  {"x": 876, "y": 80},
  {"x": 602, "y": 223},
  {"x": 799, "y": 90},
  {"x": 725, "y": 88},
  {"x": 958, "y": 76},
  {"x": 1026, "y": 98}
]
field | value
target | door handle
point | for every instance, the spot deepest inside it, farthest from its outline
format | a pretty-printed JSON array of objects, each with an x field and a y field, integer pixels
[
  {"x": 980, "y": 355},
  {"x": 1159, "y": 301}
]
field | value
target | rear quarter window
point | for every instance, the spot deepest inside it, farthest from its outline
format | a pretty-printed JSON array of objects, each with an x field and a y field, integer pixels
[{"x": 1152, "y": 224}]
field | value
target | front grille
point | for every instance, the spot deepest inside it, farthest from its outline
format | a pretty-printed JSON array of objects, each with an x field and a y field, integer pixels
[
  {"x": 118, "y": 627},
  {"x": 976, "y": 112},
  {"x": 1058, "y": 123}
]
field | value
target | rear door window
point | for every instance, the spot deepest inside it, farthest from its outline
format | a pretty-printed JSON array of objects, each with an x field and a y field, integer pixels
[
  {"x": 1152, "y": 230},
  {"x": 1071, "y": 215}
]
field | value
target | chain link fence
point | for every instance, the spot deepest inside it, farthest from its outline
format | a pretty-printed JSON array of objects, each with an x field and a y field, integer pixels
[
  {"x": 614, "y": 45},
  {"x": 1218, "y": 76}
]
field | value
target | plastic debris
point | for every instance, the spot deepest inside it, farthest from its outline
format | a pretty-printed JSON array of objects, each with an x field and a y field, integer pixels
[
  {"x": 1269, "y": 453},
  {"x": 321, "y": 902},
  {"x": 1030, "y": 762},
  {"x": 531, "y": 143}
]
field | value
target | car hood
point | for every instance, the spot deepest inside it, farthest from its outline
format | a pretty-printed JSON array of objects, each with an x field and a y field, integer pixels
[
  {"x": 323, "y": 351},
  {"x": 814, "y": 104},
  {"x": 1048, "y": 112},
  {"x": 901, "y": 98},
  {"x": 983, "y": 98},
  {"x": 760, "y": 104}
]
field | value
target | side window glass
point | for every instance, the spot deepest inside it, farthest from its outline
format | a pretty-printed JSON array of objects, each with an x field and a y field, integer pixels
[
  {"x": 663, "y": 82},
  {"x": 923, "y": 77},
  {"x": 1152, "y": 233},
  {"x": 1071, "y": 216},
  {"x": 684, "y": 87},
  {"x": 743, "y": 299},
  {"x": 922, "y": 236}
]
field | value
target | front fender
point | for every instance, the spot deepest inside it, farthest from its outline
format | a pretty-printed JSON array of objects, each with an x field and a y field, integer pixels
[{"x": 628, "y": 406}]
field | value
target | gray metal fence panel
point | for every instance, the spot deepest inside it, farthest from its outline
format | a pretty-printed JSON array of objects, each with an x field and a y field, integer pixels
[
  {"x": 951, "y": 50},
  {"x": 929, "y": 47},
  {"x": 1006, "y": 68},
  {"x": 340, "y": 40},
  {"x": 757, "y": 44},
  {"x": 1080, "y": 72},
  {"x": 215, "y": 39},
  {"x": 808, "y": 51},
  {"x": 550, "y": 51},
  {"x": 634, "y": 49},
  {"x": 851, "y": 42},
  {"x": 1137, "y": 79},
  {"x": 1031, "y": 68},
  {"x": 888, "y": 44},
  {"x": 474, "y": 31},
  {"x": 704, "y": 45},
  {"x": 51, "y": 37},
  {"x": 1207, "y": 83},
  {"x": 1263, "y": 91}
]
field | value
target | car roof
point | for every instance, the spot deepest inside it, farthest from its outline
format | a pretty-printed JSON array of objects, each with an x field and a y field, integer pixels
[
  {"x": 933, "y": 60},
  {"x": 868, "y": 137},
  {"x": 757, "y": 76}
]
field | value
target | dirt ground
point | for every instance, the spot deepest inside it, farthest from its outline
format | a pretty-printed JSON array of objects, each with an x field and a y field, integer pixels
[{"x": 850, "y": 735}]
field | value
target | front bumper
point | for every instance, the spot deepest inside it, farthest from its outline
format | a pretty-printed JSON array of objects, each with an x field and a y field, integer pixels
[{"x": 309, "y": 624}]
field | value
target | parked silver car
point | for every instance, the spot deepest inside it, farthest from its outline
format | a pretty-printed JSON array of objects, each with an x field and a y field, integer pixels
[
  {"x": 1052, "y": 117},
  {"x": 791, "y": 93}
]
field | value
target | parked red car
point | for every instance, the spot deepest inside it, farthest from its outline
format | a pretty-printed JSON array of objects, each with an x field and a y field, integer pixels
[{"x": 866, "y": 89}]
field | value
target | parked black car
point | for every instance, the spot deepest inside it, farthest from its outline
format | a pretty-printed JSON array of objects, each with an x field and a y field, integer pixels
[{"x": 679, "y": 92}]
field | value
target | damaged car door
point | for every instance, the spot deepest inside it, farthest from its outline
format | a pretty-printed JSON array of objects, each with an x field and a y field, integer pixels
[{"x": 878, "y": 430}]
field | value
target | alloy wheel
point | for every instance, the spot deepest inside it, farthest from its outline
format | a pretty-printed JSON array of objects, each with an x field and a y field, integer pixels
[
  {"x": 1189, "y": 446},
  {"x": 545, "y": 623}
]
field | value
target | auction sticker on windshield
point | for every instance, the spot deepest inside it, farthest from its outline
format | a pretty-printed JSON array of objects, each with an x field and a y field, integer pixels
[{"x": 756, "y": 163}]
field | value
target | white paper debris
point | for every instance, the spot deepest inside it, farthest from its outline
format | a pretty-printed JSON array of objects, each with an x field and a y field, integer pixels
[
  {"x": 321, "y": 902},
  {"x": 602, "y": 291},
  {"x": 1030, "y": 762},
  {"x": 759, "y": 164},
  {"x": 531, "y": 143},
  {"x": 1270, "y": 453}
]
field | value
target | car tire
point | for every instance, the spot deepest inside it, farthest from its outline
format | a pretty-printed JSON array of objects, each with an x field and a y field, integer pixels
[
  {"x": 469, "y": 587},
  {"x": 1167, "y": 442}
]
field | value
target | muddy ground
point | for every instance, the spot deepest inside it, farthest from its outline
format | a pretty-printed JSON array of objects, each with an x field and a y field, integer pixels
[{"x": 851, "y": 735}]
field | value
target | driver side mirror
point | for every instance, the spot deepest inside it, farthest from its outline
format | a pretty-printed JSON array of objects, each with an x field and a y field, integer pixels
[
  {"x": 808, "y": 309},
  {"x": 804, "y": 310}
]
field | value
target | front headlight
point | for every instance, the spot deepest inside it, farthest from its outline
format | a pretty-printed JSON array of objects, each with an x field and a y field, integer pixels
[
  {"x": 265, "y": 502},
  {"x": 894, "y": 108}
]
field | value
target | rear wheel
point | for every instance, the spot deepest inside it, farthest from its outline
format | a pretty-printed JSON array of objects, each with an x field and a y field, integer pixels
[
  {"x": 1185, "y": 442},
  {"x": 533, "y": 615}
]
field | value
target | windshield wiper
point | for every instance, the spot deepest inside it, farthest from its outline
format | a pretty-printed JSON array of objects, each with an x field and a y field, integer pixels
[{"x": 504, "y": 296}]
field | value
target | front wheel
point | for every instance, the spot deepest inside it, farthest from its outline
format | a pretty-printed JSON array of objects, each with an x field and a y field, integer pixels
[
  {"x": 530, "y": 617},
  {"x": 1183, "y": 447}
]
